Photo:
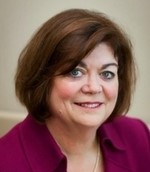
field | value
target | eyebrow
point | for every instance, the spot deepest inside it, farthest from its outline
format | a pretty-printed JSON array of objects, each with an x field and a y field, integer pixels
[
  {"x": 104, "y": 66},
  {"x": 109, "y": 64}
]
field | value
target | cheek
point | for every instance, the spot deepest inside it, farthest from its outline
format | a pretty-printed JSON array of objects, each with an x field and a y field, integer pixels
[
  {"x": 65, "y": 90},
  {"x": 112, "y": 92},
  {"x": 65, "y": 93}
]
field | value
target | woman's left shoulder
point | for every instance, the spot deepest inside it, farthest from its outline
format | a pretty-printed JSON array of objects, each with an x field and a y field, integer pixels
[
  {"x": 132, "y": 127},
  {"x": 130, "y": 122}
]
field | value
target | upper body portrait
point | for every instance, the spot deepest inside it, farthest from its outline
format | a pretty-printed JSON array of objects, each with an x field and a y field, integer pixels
[{"x": 76, "y": 78}]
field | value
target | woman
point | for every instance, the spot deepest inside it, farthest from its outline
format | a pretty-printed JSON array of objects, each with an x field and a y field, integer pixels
[{"x": 76, "y": 77}]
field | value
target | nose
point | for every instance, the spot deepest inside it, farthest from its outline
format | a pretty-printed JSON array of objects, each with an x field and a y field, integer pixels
[{"x": 93, "y": 85}]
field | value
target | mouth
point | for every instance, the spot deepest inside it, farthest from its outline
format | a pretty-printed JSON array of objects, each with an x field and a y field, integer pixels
[{"x": 90, "y": 105}]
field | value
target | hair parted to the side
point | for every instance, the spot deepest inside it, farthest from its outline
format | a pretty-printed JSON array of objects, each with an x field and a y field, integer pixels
[{"x": 59, "y": 45}]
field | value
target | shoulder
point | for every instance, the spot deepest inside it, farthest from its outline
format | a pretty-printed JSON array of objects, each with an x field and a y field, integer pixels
[
  {"x": 132, "y": 132},
  {"x": 11, "y": 152},
  {"x": 130, "y": 125},
  {"x": 10, "y": 140}
]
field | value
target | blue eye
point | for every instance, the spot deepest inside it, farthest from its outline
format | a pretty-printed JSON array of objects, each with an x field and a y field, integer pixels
[
  {"x": 107, "y": 75},
  {"x": 76, "y": 73}
]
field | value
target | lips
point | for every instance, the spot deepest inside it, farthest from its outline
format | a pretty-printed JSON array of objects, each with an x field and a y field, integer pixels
[{"x": 89, "y": 104}]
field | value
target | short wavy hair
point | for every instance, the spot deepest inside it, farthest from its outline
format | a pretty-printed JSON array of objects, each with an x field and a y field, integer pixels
[{"x": 59, "y": 45}]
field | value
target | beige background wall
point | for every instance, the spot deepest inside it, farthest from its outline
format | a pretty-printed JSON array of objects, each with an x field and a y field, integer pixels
[{"x": 20, "y": 18}]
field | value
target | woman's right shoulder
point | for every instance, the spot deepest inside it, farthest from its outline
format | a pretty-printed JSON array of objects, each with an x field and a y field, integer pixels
[
  {"x": 11, "y": 151},
  {"x": 9, "y": 138},
  {"x": 10, "y": 143}
]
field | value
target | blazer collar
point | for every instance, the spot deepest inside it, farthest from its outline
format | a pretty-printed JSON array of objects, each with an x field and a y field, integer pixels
[
  {"x": 109, "y": 135},
  {"x": 114, "y": 149}
]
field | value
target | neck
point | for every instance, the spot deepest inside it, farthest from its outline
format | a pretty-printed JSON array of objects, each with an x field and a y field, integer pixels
[{"x": 73, "y": 140}]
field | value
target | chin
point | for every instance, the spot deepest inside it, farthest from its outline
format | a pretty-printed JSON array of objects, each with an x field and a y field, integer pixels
[{"x": 93, "y": 122}]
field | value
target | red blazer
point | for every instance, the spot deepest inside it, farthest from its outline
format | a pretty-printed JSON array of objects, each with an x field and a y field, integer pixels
[{"x": 29, "y": 147}]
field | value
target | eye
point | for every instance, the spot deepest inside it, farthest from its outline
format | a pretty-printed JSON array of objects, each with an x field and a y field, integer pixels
[
  {"x": 76, "y": 72},
  {"x": 107, "y": 75}
]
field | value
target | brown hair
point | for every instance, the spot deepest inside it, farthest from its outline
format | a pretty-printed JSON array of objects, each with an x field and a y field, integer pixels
[{"x": 59, "y": 45}]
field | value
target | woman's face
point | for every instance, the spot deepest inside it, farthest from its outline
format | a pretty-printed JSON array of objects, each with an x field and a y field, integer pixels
[{"x": 87, "y": 95}]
